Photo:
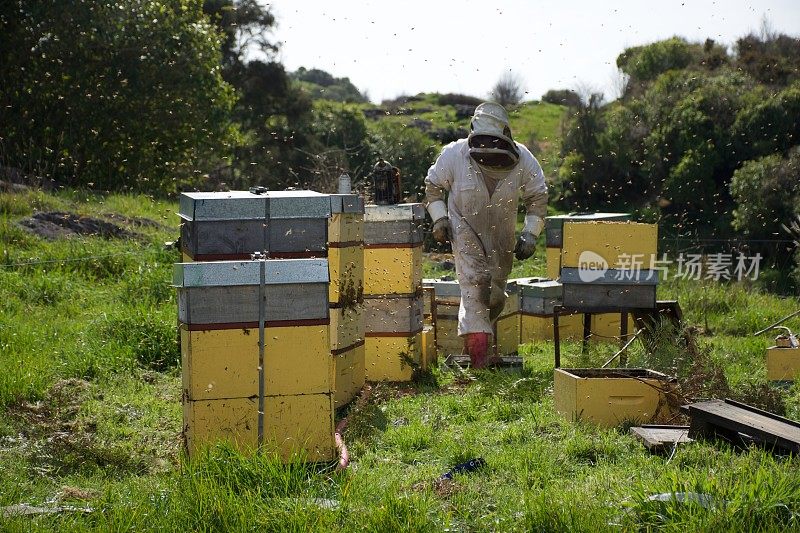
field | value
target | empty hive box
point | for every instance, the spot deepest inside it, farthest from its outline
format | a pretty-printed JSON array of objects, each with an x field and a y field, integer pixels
[
  {"x": 612, "y": 396},
  {"x": 221, "y": 306},
  {"x": 783, "y": 363}
]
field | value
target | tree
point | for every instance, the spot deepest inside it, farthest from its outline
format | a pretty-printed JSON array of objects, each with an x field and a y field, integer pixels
[
  {"x": 112, "y": 95},
  {"x": 508, "y": 90}
]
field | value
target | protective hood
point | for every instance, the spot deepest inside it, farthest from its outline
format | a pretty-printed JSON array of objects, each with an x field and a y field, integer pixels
[{"x": 490, "y": 141}]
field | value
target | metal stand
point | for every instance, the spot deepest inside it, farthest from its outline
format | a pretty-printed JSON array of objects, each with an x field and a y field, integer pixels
[{"x": 559, "y": 310}]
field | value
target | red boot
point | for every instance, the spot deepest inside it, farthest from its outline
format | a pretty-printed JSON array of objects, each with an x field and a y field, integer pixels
[{"x": 477, "y": 345}]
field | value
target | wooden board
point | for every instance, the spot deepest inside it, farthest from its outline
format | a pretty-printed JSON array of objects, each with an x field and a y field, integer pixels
[
  {"x": 391, "y": 271},
  {"x": 393, "y": 314},
  {"x": 350, "y": 375},
  {"x": 226, "y": 305},
  {"x": 347, "y": 275},
  {"x": 392, "y": 358},
  {"x": 347, "y": 327},
  {"x": 393, "y": 232},
  {"x": 589, "y": 297},
  {"x": 729, "y": 419},
  {"x": 224, "y": 363},
  {"x": 659, "y": 439},
  {"x": 295, "y": 427}
]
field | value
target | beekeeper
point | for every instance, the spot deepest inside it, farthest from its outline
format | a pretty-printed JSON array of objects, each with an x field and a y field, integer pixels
[{"x": 483, "y": 177}]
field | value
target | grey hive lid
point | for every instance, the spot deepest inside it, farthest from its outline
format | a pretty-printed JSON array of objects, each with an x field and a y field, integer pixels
[
  {"x": 231, "y": 273},
  {"x": 443, "y": 288},
  {"x": 298, "y": 204},
  {"x": 557, "y": 221},
  {"x": 233, "y": 205},
  {"x": 540, "y": 287},
  {"x": 347, "y": 203},
  {"x": 393, "y": 213}
]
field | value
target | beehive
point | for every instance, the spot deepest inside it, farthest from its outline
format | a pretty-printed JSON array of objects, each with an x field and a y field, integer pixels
[
  {"x": 429, "y": 353},
  {"x": 554, "y": 226},
  {"x": 233, "y": 225},
  {"x": 447, "y": 298},
  {"x": 783, "y": 364},
  {"x": 346, "y": 294},
  {"x": 220, "y": 307},
  {"x": 393, "y": 290},
  {"x": 507, "y": 326},
  {"x": 610, "y": 397}
]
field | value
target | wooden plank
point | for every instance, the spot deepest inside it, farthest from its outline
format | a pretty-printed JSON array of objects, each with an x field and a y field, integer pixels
[
  {"x": 658, "y": 438},
  {"x": 727, "y": 418},
  {"x": 219, "y": 305},
  {"x": 588, "y": 297},
  {"x": 383, "y": 315}
]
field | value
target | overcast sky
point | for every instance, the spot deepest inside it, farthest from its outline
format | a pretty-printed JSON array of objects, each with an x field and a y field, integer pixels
[{"x": 392, "y": 48}]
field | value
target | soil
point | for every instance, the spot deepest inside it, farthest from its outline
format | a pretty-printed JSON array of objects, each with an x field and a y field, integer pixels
[{"x": 59, "y": 225}]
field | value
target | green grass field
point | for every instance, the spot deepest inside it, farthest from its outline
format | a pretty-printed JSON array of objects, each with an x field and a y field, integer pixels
[{"x": 91, "y": 416}]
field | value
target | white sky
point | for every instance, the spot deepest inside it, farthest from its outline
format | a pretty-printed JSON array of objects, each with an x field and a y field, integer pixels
[{"x": 391, "y": 48}]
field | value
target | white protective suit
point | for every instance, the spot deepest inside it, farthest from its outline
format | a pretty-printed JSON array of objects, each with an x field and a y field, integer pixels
[{"x": 483, "y": 225}]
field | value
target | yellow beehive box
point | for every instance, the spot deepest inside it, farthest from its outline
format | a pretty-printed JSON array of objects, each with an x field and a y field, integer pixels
[
  {"x": 610, "y": 396},
  {"x": 392, "y": 270},
  {"x": 609, "y": 241},
  {"x": 347, "y": 327},
  {"x": 605, "y": 327},
  {"x": 346, "y": 228},
  {"x": 783, "y": 364},
  {"x": 447, "y": 340},
  {"x": 346, "y": 266},
  {"x": 508, "y": 334},
  {"x": 553, "y": 262},
  {"x": 428, "y": 347},
  {"x": 223, "y": 363},
  {"x": 540, "y": 327},
  {"x": 349, "y": 374},
  {"x": 390, "y": 358},
  {"x": 298, "y": 426}
]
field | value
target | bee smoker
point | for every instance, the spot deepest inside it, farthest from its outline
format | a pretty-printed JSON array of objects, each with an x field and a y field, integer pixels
[{"x": 386, "y": 183}]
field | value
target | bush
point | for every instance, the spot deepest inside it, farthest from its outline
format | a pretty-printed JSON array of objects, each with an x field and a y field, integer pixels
[
  {"x": 458, "y": 99},
  {"x": 407, "y": 148}
]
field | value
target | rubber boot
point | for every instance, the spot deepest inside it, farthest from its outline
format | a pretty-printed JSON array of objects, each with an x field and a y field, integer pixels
[{"x": 477, "y": 345}]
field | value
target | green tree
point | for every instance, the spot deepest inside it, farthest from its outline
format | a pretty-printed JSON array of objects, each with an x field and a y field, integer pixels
[
  {"x": 407, "y": 148},
  {"x": 113, "y": 95}
]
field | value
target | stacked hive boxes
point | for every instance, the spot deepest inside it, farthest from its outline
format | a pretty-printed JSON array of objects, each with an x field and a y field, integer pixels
[
  {"x": 607, "y": 265},
  {"x": 393, "y": 291},
  {"x": 538, "y": 298},
  {"x": 446, "y": 300},
  {"x": 227, "y": 309},
  {"x": 346, "y": 295}
]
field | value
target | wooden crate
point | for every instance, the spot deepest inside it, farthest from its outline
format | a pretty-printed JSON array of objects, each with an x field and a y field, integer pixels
[
  {"x": 223, "y": 363},
  {"x": 393, "y": 314},
  {"x": 610, "y": 397},
  {"x": 347, "y": 326},
  {"x": 783, "y": 364},
  {"x": 349, "y": 374},
  {"x": 295, "y": 427},
  {"x": 392, "y": 358},
  {"x": 607, "y": 241},
  {"x": 392, "y": 270}
]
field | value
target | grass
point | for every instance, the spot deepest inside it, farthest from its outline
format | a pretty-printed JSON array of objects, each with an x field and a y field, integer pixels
[{"x": 91, "y": 417}]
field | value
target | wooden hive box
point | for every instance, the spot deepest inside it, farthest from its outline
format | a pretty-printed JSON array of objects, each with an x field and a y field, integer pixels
[
  {"x": 447, "y": 298},
  {"x": 350, "y": 374},
  {"x": 346, "y": 249},
  {"x": 783, "y": 364},
  {"x": 295, "y": 427},
  {"x": 554, "y": 227},
  {"x": 507, "y": 327},
  {"x": 393, "y": 249},
  {"x": 611, "y": 396},
  {"x": 233, "y": 225},
  {"x": 393, "y": 330},
  {"x": 429, "y": 353},
  {"x": 538, "y": 297}
]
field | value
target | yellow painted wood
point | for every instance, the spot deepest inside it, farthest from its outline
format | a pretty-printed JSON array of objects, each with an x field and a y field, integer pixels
[
  {"x": 783, "y": 364},
  {"x": 392, "y": 270},
  {"x": 301, "y": 424},
  {"x": 447, "y": 340},
  {"x": 553, "y": 262},
  {"x": 392, "y": 358},
  {"x": 346, "y": 267},
  {"x": 224, "y": 363},
  {"x": 349, "y": 375},
  {"x": 540, "y": 328},
  {"x": 347, "y": 326},
  {"x": 186, "y": 258},
  {"x": 609, "y": 240},
  {"x": 607, "y": 402},
  {"x": 428, "y": 347},
  {"x": 605, "y": 327},
  {"x": 508, "y": 334},
  {"x": 346, "y": 227}
]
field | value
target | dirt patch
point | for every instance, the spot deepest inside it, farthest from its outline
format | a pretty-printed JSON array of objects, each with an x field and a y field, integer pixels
[{"x": 59, "y": 225}]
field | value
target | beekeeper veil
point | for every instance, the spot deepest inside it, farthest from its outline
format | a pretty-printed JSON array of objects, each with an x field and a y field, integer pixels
[{"x": 490, "y": 142}]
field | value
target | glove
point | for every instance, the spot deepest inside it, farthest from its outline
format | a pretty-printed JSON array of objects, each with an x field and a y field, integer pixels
[
  {"x": 442, "y": 231},
  {"x": 526, "y": 245}
]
